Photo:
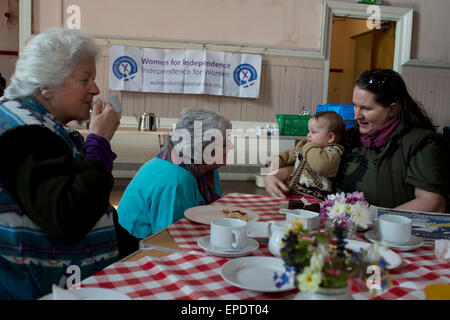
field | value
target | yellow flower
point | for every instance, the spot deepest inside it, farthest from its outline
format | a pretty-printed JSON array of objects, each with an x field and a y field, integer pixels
[
  {"x": 296, "y": 225},
  {"x": 348, "y": 209},
  {"x": 309, "y": 280}
]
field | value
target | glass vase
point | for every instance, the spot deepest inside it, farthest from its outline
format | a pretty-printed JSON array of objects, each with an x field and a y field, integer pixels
[
  {"x": 325, "y": 294},
  {"x": 349, "y": 232}
]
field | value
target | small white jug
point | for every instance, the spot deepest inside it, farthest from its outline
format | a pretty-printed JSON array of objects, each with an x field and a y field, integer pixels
[{"x": 276, "y": 231}]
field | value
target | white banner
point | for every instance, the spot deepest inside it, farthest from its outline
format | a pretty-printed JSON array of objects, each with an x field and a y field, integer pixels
[{"x": 185, "y": 71}]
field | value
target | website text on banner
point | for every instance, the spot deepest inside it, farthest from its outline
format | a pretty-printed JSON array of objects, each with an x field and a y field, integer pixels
[{"x": 185, "y": 71}]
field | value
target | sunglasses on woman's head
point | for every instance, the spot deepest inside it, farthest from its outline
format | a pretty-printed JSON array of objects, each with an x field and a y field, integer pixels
[{"x": 378, "y": 83}]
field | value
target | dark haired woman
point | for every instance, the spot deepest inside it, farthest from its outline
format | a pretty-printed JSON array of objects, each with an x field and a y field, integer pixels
[{"x": 394, "y": 154}]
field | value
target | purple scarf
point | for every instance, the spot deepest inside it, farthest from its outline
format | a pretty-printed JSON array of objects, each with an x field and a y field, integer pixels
[
  {"x": 205, "y": 180},
  {"x": 378, "y": 137}
]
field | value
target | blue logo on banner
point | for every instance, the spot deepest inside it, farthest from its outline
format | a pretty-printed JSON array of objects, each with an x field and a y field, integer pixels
[
  {"x": 245, "y": 75},
  {"x": 125, "y": 68}
]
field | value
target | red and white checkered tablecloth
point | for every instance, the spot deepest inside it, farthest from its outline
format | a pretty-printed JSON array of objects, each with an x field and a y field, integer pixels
[
  {"x": 194, "y": 274},
  {"x": 186, "y": 233}
]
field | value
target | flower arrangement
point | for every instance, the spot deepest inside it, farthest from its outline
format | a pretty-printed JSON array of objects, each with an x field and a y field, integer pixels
[
  {"x": 346, "y": 209},
  {"x": 319, "y": 261}
]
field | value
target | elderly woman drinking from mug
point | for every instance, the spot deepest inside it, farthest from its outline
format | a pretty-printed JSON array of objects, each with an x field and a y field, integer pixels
[
  {"x": 182, "y": 176},
  {"x": 54, "y": 187},
  {"x": 394, "y": 154}
]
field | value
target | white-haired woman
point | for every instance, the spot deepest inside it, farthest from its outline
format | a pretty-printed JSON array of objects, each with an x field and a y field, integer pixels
[
  {"x": 182, "y": 176},
  {"x": 54, "y": 187}
]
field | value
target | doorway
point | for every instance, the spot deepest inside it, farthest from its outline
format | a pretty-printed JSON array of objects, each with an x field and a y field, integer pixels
[{"x": 355, "y": 48}]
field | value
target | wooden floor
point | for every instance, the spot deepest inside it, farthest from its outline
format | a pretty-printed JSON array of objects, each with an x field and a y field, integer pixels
[{"x": 227, "y": 187}]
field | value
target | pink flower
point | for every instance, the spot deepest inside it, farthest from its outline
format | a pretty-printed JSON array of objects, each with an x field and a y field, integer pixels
[
  {"x": 354, "y": 197},
  {"x": 360, "y": 284},
  {"x": 334, "y": 272}
]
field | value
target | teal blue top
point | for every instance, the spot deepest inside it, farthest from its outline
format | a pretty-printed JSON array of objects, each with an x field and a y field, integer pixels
[{"x": 158, "y": 196}]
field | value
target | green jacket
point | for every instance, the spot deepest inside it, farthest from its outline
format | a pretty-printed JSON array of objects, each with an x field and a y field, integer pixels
[{"x": 388, "y": 175}]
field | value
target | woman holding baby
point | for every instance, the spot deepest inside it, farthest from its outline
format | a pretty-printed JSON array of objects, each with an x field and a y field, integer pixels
[{"x": 393, "y": 155}]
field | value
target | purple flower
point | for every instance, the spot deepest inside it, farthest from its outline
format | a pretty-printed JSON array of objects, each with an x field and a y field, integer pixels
[
  {"x": 343, "y": 221},
  {"x": 383, "y": 263},
  {"x": 354, "y": 197},
  {"x": 283, "y": 279}
]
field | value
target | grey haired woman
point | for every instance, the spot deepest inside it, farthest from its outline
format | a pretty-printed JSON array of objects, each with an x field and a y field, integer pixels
[
  {"x": 182, "y": 176},
  {"x": 54, "y": 187}
]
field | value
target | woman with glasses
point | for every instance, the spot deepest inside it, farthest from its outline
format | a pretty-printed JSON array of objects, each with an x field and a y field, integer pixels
[{"x": 394, "y": 154}]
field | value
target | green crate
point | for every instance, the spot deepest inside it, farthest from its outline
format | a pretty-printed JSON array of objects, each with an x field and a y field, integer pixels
[{"x": 292, "y": 124}]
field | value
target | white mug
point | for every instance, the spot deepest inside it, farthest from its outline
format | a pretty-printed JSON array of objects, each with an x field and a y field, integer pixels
[
  {"x": 394, "y": 229},
  {"x": 276, "y": 231},
  {"x": 228, "y": 234},
  {"x": 310, "y": 219}
]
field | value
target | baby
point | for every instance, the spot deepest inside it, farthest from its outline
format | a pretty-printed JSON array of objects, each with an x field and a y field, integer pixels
[{"x": 316, "y": 159}]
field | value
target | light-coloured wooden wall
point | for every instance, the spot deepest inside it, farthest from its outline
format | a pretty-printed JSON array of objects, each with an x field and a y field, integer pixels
[
  {"x": 287, "y": 85},
  {"x": 431, "y": 86}
]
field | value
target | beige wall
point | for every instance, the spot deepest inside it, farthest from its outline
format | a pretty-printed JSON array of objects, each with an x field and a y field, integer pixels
[
  {"x": 264, "y": 23},
  {"x": 9, "y": 36},
  {"x": 432, "y": 88},
  {"x": 273, "y": 23}
]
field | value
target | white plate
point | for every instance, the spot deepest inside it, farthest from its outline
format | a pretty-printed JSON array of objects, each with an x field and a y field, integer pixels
[
  {"x": 255, "y": 274},
  {"x": 393, "y": 259},
  {"x": 205, "y": 244},
  {"x": 94, "y": 294},
  {"x": 207, "y": 214},
  {"x": 257, "y": 230},
  {"x": 414, "y": 243}
]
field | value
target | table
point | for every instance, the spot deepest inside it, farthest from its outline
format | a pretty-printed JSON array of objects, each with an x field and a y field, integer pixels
[{"x": 191, "y": 273}]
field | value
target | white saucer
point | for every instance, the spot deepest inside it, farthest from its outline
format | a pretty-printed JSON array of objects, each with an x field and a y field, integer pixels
[
  {"x": 258, "y": 231},
  {"x": 392, "y": 258},
  {"x": 255, "y": 274},
  {"x": 205, "y": 244},
  {"x": 414, "y": 243}
]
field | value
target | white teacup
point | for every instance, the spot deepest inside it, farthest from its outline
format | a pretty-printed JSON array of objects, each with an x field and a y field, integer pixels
[
  {"x": 394, "y": 229},
  {"x": 276, "y": 231},
  {"x": 228, "y": 234},
  {"x": 310, "y": 219},
  {"x": 114, "y": 101}
]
